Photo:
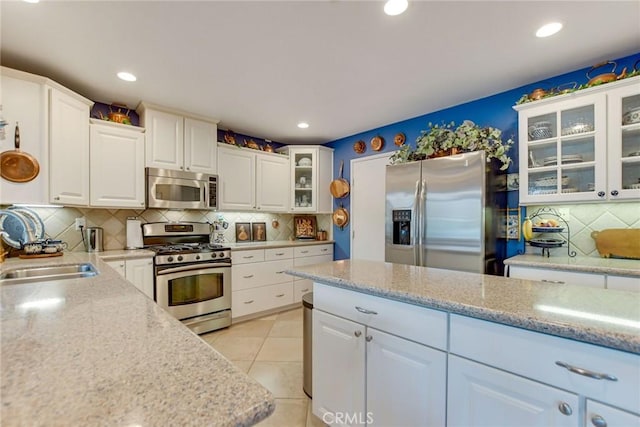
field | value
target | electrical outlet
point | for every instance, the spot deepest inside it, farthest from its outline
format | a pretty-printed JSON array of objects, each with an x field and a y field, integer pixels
[
  {"x": 80, "y": 222},
  {"x": 564, "y": 213}
]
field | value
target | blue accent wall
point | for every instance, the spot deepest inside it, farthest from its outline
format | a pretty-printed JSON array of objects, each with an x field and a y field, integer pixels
[{"x": 496, "y": 111}]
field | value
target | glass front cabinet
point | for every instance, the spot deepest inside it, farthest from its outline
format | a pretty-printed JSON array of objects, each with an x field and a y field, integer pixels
[{"x": 583, "y": 146}]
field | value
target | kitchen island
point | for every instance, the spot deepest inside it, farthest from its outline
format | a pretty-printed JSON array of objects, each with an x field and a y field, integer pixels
[
  {"x": 96, "y": 351},
  {"x": 467, "y": 349}
]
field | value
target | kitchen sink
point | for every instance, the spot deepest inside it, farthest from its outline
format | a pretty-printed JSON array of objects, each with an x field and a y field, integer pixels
[{"x": 46, "y": 274}]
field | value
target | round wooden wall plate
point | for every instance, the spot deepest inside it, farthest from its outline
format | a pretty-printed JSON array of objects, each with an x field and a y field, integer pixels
[
  {"x": 377, "y": 143},
  {"x": 399, "y": 139},
  {"x": 360, "y": 147}
]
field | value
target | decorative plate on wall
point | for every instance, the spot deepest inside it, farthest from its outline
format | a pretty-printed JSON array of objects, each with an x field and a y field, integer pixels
[
  {"x": 399, "y": 139},
  {"x": 377, "y": 142},
  {"x": 360, "y": 147}
]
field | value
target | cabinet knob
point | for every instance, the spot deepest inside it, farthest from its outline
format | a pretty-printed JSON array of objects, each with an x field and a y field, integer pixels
[
  {"x": 357, "y": 333},
  {"x": 141, "y": 203},
  {"x": 598, "y": 421},
  {"x": 614, "y": 193},
  {"x": 188, "y": 169},
  {"x": 369, "y": 338},
  {"x": 56, "y": 198},
  {"x": 601, "y": 193},
  {"x": 565, "y": 408}
]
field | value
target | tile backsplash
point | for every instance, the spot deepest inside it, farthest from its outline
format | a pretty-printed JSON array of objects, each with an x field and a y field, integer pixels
[
  {"x": 59, "y": 223},
  {"x": 583, "y": 219}
]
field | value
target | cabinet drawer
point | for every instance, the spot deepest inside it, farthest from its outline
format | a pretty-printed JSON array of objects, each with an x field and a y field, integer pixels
[
  {"x": 244, "y": 257},
  {"x": 245, "y": 276},
  {"x": 534, "y": 355},
  {"x": 409, "y": 321},
  {"x": 310, "y": 260},
  {"x": 251, "y": 301},
  {"x": 278, "y": 253},
  {"x": 313, "y": 250},
  {"x": 301, "y": 287},
  {"x": 557, "y": 276},
  {"x": 623, "y": 283}
]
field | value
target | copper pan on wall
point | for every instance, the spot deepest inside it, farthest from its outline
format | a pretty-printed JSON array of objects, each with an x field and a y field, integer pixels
[
  {"x": 16, "y": 165},
  {"x": 340, "y": 217},
  {"x": 339, "y": 187}
]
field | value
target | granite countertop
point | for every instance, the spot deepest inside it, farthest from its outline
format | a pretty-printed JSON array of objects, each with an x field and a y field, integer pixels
[
  {"x": 125, "y": 254},
  {"x": 597, "y": 316},
  {"x": 96, "y": 351},
  {"x": 622, "y": 267},
  {"x": 275, "y": 244}
]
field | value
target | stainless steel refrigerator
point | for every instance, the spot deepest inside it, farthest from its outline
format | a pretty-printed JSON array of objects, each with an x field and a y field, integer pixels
[{"x": 439, "y": 214}]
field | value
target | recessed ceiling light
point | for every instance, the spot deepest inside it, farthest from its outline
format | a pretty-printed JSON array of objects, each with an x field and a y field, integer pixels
[
  {"x": 127, "y": 77},
  {"x": 32, "y": 1},
  {"x": 303, "y": 125},
  {"x": 549, "y": 29},
  {"x": 395, "y": 7}
]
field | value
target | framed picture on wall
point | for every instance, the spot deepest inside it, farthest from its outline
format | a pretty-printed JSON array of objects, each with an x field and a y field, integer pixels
[
  {"x": 259, "y": 231},
  {"x": 243, "y": 232},
  {"x": 304, "y": 227}
]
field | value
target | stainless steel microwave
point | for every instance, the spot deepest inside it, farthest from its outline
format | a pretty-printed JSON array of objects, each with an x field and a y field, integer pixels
[{"x": 172, "y": 189}]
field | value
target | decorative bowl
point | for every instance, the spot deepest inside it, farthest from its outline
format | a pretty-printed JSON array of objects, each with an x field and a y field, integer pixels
[
  {"x": 540, "y": 130},
  {"x": 576, "y": 128},
  {"x": 632, "y": 116}
]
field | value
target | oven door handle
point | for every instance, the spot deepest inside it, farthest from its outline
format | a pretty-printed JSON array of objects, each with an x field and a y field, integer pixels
[{"x": 194, "y": 267}]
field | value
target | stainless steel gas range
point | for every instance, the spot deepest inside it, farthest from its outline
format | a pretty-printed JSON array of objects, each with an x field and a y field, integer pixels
[{"x": 192, "y": 276}]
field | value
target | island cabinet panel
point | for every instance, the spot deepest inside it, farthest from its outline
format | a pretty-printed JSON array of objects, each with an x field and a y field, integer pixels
[
  {"x": 377, "y": 378},
  {"x": 557, "y": 276},
  {"x": 599, "y": 415},
  {"x": 539, "y": 357},
  {"x": 623, "y": 283},
  {"x": 483, "y": 396}
]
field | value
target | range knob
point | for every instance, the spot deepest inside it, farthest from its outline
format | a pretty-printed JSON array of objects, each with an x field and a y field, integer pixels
[
  {"x": 170, "y": 259},
  {"x": 221, "y": 254},
  {"x": 180, "y": 258},
  {"x": 213, "y": 255},
  {"x": 197, "y": 256}
]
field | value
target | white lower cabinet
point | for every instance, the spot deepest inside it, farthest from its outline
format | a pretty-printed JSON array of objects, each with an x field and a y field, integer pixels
[
  {"x": 592, "y": 280},
  {"x": 137, "y": 271},
  {"x": 623, "y": 283},
  {"x": 482, "y": 396},
  {"x": 599, "y": 415},
  {"x": 363, "y": 375},
  {"x": 309, "y": 255}
]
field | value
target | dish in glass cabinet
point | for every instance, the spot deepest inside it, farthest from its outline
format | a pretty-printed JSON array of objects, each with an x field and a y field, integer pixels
[
  {"x": 305, "y": 161},
  {"x": 632, "y": 116}
]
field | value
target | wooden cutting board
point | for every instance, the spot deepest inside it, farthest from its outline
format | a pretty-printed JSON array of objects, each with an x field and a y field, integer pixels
[{"x": 618, "y": 242}]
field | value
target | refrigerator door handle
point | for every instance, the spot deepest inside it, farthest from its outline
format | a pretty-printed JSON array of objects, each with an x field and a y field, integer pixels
[
  {"x": 417, "y": 257},
  {"x": 423, "y": 222}
]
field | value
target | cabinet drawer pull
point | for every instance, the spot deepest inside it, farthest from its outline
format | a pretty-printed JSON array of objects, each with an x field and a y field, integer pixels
[
  {"x": 305, "y": 290},
  {"x": 365, "y": 311},
  {"x": 357, "y": 334},
  {"x": 247, "y": 257},
  {"x": 598, "y": 421},
  {"x": 279, "y": 272},
  {"x": 586, "y": 372},
  {"x": 324, "y": 250},
  {"x": 552, "y": 281},
  {"x": 279, "y": 253},
  {"x": 304, "y": 252},
  {"x": 368, "y": 338},
  {"x": 565, "y": 408},
  {"x": 279, "y": 295},
  {"x": 248, "y": 277},
  {"x": 249, "y": 302}
]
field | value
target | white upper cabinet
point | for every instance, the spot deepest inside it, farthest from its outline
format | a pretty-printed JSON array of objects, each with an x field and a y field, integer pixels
[
  {"x": 117, "y": 165},
  {"x": 251, "y": 180},
  {"x": 311, "y": 175},
  {"x": 179, "y": 141},
  {"x": 583, "y": 146},
  {"x": 69, "y": 148},
  {"x": 24, "y": 101}
]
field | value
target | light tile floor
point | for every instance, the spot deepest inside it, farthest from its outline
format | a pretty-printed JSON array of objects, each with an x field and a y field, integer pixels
[{"x": 269, "y": 349}]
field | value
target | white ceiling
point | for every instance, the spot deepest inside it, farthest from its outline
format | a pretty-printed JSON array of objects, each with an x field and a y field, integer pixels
[{"x": 343, "y": 66}]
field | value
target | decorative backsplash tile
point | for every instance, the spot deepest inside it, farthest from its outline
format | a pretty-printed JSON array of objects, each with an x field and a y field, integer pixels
[
  {"x": 583, "y": 219},
  {"x": 59, "y": 223}
]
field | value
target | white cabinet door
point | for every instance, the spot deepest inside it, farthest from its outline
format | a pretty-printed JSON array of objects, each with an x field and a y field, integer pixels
[
  {"x": 140, "y": 273},
  {"x": 165, "y": 139},
  {"x": 118, "y": 266},
  {"x": 272, "y": 177},
  {"x": 117, "y": 167},
  {"x": 623, "y": 140},
  {"x": 23, "y": 101},
  {"x": 406, "y": 382},
  {"x": 482, "y": 396},
  {"x": 338, "y": 367},
  {"x": 236, "y": 170},
  {"x": 69, "y": 149},
  {"x": 623, "y": 283},
  {"x": 599, "y": 415},
  {"x": 200, "y": 146},
  {"x": 557, "y": 276}
]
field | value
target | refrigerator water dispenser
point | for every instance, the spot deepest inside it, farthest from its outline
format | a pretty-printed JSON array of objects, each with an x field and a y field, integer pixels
[{"x": 401, "y": 227}]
